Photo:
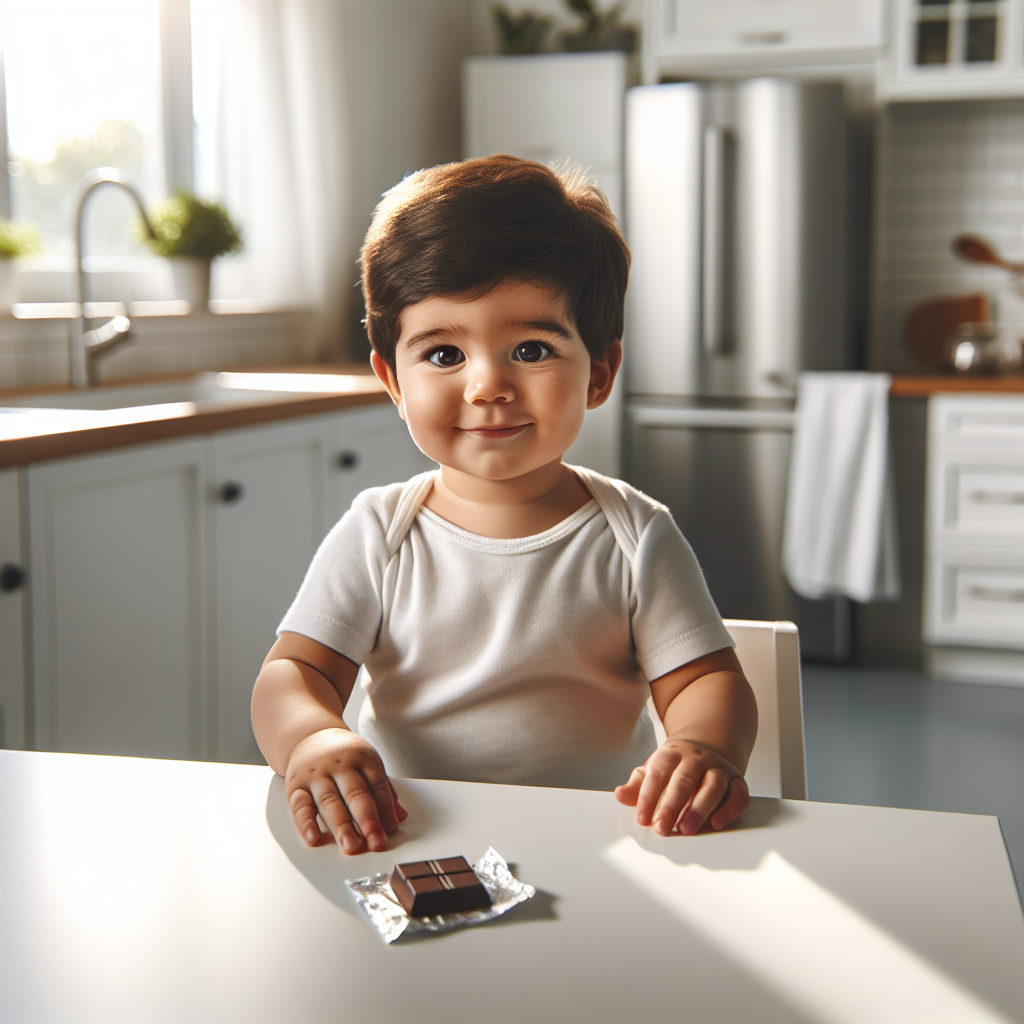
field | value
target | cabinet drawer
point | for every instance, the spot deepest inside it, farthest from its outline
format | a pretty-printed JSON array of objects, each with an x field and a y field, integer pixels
[
  {"x": 975, "y": 598},
  {"x": 692, "y": 28},
  {"x": 977, "y": 495},
  {"x": 988, "y": 421}
]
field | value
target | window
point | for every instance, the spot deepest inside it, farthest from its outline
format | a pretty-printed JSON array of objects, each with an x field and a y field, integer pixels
[
  {"x": 125, "y": 83},
  {"x": 83, "y": 91}
]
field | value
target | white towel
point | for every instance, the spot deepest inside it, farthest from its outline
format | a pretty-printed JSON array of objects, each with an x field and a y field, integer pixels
[{"x": 840, "y": 529}]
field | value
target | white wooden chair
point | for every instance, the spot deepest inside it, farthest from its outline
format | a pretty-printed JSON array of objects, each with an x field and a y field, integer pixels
[{"x": 769, "y": 653}]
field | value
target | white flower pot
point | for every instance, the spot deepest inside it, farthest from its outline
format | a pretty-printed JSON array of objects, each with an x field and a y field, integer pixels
[
  {"x": 192, "y": 281},
  {"x": 8, "y": 289}
]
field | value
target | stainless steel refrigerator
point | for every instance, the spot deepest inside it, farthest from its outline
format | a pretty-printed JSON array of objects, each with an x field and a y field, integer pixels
[{"x": 735, "y": 213}]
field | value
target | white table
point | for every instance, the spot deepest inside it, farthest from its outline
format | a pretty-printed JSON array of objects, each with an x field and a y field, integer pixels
[{"x": 138, "y": 890}]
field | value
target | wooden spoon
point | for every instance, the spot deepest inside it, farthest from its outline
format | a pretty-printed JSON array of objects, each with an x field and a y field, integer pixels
[{"x": 975, "y": 249}]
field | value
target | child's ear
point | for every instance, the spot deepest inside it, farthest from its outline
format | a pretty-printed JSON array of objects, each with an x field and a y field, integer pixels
[
  {"x": 602, "y": 375},
  {"x": 386, "y": 375}
]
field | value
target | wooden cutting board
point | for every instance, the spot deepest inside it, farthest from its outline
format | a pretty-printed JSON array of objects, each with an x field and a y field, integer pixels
[{"x": 929, "y": 326}]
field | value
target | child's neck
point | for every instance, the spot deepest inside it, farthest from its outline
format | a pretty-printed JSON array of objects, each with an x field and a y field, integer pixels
[{"x": 520, "y": 507}]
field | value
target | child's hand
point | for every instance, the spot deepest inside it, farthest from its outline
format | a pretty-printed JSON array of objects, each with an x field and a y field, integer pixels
[
  {"x": 681, "y": 786},
  {"x": 338, "y": 774}
]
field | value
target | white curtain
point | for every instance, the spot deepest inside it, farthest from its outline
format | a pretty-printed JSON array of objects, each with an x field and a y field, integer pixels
[{"x": 282, "y": 161}]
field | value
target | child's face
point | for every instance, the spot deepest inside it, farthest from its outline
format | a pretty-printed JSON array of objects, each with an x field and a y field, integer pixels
[{"x": 495, "y": 386}]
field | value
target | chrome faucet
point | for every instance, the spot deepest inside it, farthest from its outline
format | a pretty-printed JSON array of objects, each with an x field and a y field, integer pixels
[{"x": 88, "y": 345}]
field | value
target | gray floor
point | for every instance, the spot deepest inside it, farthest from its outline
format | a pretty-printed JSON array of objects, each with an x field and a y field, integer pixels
[{"x": 898, "y": 739}]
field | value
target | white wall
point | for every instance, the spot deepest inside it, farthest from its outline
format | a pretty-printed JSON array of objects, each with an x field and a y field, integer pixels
[
  {"x": 403, "y": 61},
  {"x": 945, "y": 168}
]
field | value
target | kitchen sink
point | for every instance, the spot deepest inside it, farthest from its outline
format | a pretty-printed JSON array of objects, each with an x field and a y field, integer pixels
[{"x": 206, "y": 391}]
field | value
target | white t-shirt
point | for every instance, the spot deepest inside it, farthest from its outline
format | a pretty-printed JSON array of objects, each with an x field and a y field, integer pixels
[{"x": 521, "y": 661}]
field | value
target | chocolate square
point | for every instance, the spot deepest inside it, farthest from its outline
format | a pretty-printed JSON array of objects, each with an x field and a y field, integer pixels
[{"x": 429, "y": 887}]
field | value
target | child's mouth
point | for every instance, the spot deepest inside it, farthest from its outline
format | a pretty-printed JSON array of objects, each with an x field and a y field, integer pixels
[{"x": 496, "y": 432}]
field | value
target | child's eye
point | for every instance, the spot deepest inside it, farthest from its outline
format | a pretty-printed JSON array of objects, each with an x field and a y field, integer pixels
[
  {"x": 447, "y": 355},
  {"x": 531, "y": 352}
]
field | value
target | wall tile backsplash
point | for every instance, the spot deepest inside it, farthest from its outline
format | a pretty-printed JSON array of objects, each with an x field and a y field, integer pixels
[
  {"x": 944, "y": 169},
  {"x": 34, "y": 353}
]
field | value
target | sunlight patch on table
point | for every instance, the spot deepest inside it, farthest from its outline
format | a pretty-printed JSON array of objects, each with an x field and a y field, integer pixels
[{"x": 803, "y": 942}]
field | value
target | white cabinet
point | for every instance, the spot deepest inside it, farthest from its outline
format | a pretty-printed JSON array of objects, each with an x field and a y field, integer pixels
[
  {"x": 277, "y": 490},
  {"x": 269, "y": 514},
  {"x": 954, "y": 49},
  {"x": 117, "y": 568},
  {"x": 974, "y": 537},
  {"x": 159, "y": 574},
  {"x": 694, "y": 36},
  {"x": 12, "y": 614}
]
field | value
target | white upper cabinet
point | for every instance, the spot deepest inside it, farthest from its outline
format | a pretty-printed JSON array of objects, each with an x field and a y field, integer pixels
[
  {"x": 954, "y": 49},
  {"x": 694, "y": 35}
]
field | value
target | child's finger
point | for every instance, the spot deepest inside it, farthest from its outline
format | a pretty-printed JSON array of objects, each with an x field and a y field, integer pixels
[
  {"x": 383, "y": 796},
  {"x": 659, "y": 770},
  {"x": 707, "y": 797},
  {"x": 303, "y": 808},
  {"x": 399, "y": 809},
  {"x": 736, "y": 801},
  {"x": 334, "y": 811},
  {"x": 628, "y": 793},
  {"x": 362, "y": 806},
  {"x": 677, "y": 794}
]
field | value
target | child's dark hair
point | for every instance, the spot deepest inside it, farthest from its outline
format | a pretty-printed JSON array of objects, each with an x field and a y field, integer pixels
[{"x": 462, "y": 228}]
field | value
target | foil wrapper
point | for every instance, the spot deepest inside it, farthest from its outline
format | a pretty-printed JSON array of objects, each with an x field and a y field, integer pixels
[{"x": 390, "y": 919}]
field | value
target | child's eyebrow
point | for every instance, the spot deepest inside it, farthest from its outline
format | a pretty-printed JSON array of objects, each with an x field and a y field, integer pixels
[
  {"x": 549, "y": 327},
  {"x": 429, "y": 334}
]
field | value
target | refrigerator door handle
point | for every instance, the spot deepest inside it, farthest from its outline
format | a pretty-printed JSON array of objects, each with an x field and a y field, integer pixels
[{"x": 714, "y": 241}]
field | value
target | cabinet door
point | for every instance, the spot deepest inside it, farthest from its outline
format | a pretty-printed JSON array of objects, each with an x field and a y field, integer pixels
[
  {"x": 12, "y": 598},
  {"x": 954, "y": 49},
  {"x": 369, "y": 448},
  {"x": 269, "y": 514},
  {"x": 117, "y": 598}
]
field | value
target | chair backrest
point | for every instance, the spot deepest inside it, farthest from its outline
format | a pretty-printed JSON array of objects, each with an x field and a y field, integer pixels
[{"x": 769, "y": 653}]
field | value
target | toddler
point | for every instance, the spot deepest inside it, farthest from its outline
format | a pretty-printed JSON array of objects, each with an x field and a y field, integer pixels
[{"x": 513, "y": 613}]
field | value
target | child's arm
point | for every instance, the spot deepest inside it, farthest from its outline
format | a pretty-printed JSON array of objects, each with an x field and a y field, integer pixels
[
  {"x": 696, "y": 775},
  {"x": 297, "y": 704}
]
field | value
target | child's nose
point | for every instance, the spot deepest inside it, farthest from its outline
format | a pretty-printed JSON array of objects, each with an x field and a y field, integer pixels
[{"x": 488, "y": 383}]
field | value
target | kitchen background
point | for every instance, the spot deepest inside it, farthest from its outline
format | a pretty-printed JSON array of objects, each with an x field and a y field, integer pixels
[{"x": 304, "y": 112}]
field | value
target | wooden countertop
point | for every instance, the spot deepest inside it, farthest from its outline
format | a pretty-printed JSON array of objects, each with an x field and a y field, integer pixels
[
  {"x": 362, "y": 388},
  {"x": 925, "y": 387}
]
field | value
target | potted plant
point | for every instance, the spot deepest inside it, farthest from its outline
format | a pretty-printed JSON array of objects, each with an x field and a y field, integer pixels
[
  {"x": 598, "y": 30},
  {"x": 17, "y": 242},
  {"x": 192, "y": 233},
  {"x": 523, "y": 33},
  {"x": 526, "y": 32}
]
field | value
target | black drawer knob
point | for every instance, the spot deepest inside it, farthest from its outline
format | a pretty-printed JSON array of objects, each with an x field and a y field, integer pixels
[
  {"x": 348, "y": 460},
  {"x": 231, "y": 492},
  {"x": 12, "y": 577}
]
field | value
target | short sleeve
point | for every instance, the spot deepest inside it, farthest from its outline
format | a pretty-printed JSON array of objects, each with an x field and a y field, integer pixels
[
  {"x": 340, "y": 601},
  {"x": 674, "y": 619}
]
